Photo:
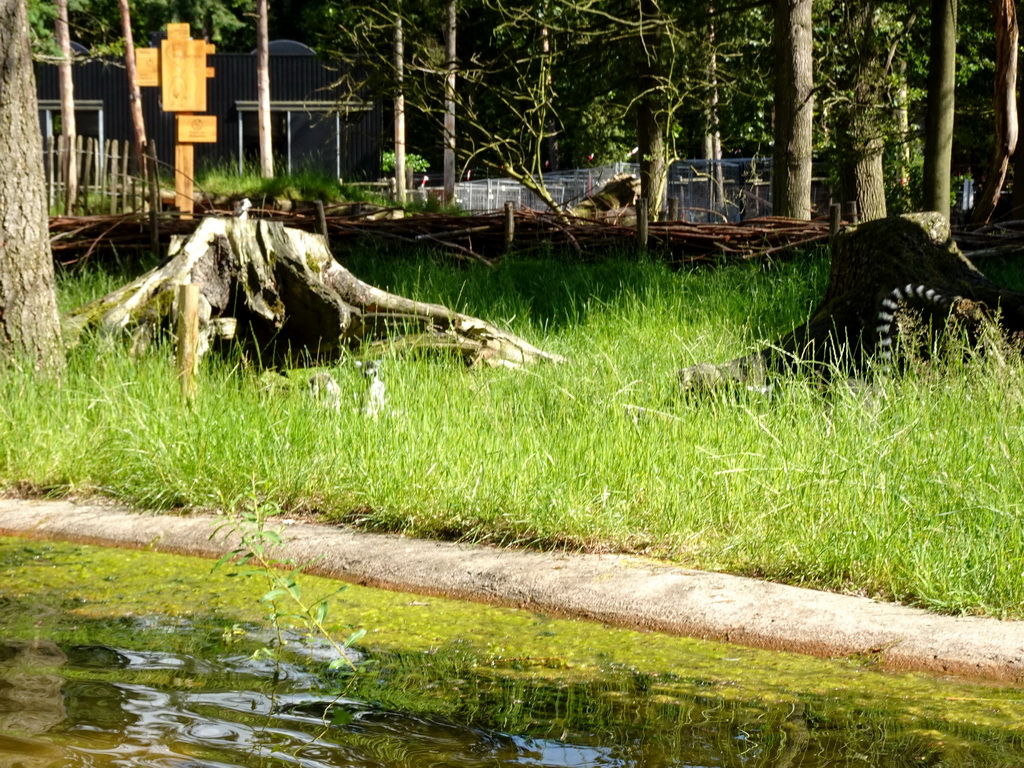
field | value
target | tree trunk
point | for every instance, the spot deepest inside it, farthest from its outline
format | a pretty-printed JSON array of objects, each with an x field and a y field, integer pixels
[
  {"x": 938, "y": 139},
  {"x": 794, "y": 109},
  {"x": 889, "y": 277},
  {"x": 1005, "y": 101},
  {"x": 653, "y": 169},
  {"x": 399, "y": 53},
  {"x": 278, "y": 288},
  {"x": 449, "y": 105},
  {"x": 712, "y": 133},
  {"x": 263, "y": 89},
  {"x": 903, "y": 122},
  {"x": 29, "y": 324},
  {"x": 134, "y": 94},
  {"x": 550, "y": 129},
  {"x": 651, "y": 112},
  {"x": 858, "y": 139},
  {"x": 68, "y": 128}
]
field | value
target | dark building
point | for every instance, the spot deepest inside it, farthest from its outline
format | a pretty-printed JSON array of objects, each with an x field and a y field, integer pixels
[{"x": 312, "y": 126}]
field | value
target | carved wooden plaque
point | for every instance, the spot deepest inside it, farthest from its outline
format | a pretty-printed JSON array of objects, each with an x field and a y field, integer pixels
[{"x": 197, "y": 129}]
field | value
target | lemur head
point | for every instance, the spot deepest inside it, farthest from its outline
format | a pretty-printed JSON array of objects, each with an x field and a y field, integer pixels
[{"x": 369, "y": 368}]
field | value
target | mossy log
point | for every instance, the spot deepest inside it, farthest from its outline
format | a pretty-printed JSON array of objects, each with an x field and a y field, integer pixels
[
  {"x": 900, "y": 276},
  {"x": 265, "y": 284}
]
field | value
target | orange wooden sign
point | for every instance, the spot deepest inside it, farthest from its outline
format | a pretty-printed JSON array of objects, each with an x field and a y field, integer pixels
[
  {"x": 147, "y": 66},
  {"x": 197, "y": 129},
  {"x": 183, "y": 75},
  {"x": 179, "y": 31}
]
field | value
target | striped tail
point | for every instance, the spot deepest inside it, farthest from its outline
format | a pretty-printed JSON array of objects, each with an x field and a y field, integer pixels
[{"x": 907, "y": 294}]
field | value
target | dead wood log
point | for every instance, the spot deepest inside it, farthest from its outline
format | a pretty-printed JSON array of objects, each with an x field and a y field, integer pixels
[
  {"x": 901, "y": 276},
  {"x": 280, "y": 288}
]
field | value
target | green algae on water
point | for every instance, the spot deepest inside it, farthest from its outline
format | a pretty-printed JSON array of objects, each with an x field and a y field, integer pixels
[{"x": 426, "y": 643}]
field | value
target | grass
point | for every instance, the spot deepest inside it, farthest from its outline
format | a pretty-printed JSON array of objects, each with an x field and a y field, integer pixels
[
  {"x": 908, "y": 491},
  {"x": 300, "y": 185}
]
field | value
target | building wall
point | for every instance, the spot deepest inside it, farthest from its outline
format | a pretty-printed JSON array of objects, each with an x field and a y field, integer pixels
[{"x": 324, "y": 133}]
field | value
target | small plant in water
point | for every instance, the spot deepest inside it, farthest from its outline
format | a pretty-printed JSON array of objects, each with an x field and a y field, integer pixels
[{"x": 254, "y": 558}]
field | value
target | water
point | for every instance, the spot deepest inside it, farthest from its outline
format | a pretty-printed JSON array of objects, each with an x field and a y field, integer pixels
[{"x": 89, "y": 679}]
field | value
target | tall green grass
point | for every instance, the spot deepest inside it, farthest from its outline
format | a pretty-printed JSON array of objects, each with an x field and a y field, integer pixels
[
  {"x": 909, "y": 490},
  {"x": 300, "y": 184}
]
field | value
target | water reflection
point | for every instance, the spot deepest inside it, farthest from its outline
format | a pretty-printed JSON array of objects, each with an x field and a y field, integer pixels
[
  {"x": 93, "y": 721},
  {"x": 96, "y": 673},
  {"x": 30, "y": 691},
  {"x": 96, "y": 705}
]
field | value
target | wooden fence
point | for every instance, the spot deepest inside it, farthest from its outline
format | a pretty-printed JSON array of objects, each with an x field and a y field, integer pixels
[{"x": 109, "y": 177}]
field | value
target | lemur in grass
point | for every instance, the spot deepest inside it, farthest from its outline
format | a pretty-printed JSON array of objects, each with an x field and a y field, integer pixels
[
  {"x": 327, "y": 391},
  {"x": 910, "y": 295},
  {"x": 375, "y": 395}
]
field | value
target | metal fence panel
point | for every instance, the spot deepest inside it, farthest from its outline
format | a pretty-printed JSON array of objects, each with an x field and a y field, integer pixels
[{"x": 731, "y": 189}]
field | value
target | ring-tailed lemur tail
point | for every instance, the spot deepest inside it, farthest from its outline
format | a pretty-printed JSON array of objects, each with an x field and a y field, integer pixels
[
  {"x": 376, "y": 394},
  {"x": 907, "y": 294}
]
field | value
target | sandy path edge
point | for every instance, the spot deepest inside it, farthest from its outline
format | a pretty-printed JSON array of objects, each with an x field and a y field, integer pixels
[{"x": 608, "y": 588}]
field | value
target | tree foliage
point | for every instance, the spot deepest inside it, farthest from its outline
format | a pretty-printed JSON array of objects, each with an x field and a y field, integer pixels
[{"x": 564, "y": 83}]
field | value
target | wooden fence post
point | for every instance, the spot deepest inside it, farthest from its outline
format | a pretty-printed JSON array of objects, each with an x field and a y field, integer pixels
[
  {"x": 153, "y": 175},
  {"x": 321, "y": 219},
  {"x": 835, "y": 219},
  {"x": 642, "y": 224},
  {"x": 87, "y": 156},
  {"x": 188, "y": 338},
  {"x": 48, "y": 169},
  {"x": 510, "y": 224},
  {"x": 125, "y": 151},
  {"x": 673, "y": 209},
  {"x": 111, "y": 174}
]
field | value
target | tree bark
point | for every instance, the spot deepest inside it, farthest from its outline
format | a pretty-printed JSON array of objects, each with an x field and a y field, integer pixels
[
  {"x": 794, "y": 109},
  {"x": 68, "y": 128},
  {"x": 134, "y": 94},
  {"x": 399, "y": 56},
  {"x": 263, "y": 89},
  {"x": 938, "y": 139},
  {"x": 858, "y": 138},
  {"x": 29, "y": 323},
  {"x": 651, "y": 112},
  {"x": 278, "y": 288},
  {"x": 887, "y": 275},
  {"x": 1005, "y": 102},
  {"x": 449, "y": 104},
  {"x": 712, "y": 132}
]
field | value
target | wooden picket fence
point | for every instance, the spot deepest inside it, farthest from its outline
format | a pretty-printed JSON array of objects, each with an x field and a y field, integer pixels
[{"x": 109, "y": 177}]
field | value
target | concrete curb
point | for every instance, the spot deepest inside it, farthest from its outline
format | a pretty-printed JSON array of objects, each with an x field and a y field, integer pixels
[{"x": 614, "y": 589}]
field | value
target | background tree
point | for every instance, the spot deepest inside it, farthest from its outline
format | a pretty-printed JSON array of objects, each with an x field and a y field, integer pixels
[
  {"x": 29, "y": 324},
  {"x": 859, "y": 138},
  {"x": 651, "y": 109},
  {"x": 794, "y": 109},
  {"x": 263, "y": 89},
  {"x": 68, "y": 128},
  {"x": 859, "y": 50},
  {"x": 701, "y": 69},
  {"x": 451, "y": 64},
  {"x": 938, "y": 148},
  {"x": 399, "y": 107},
  {"x": 134, "y": 94},
  {"x": 1004, "y": 14}
]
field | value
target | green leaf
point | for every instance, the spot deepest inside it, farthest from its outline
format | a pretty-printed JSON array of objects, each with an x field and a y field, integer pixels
[
  {"x": 355, "y": 637},
  {"x": 341, "y": 716},
  {"x": 320, "y": 612}
]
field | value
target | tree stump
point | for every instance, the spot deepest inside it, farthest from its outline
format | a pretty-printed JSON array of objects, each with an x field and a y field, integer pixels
[
  {"x": 265, "y": 284},
  {"x": 889, "y": 277}
]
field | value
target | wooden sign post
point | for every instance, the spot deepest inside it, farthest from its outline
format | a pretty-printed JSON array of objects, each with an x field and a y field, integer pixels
[{"x": 179, "y": 68}]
